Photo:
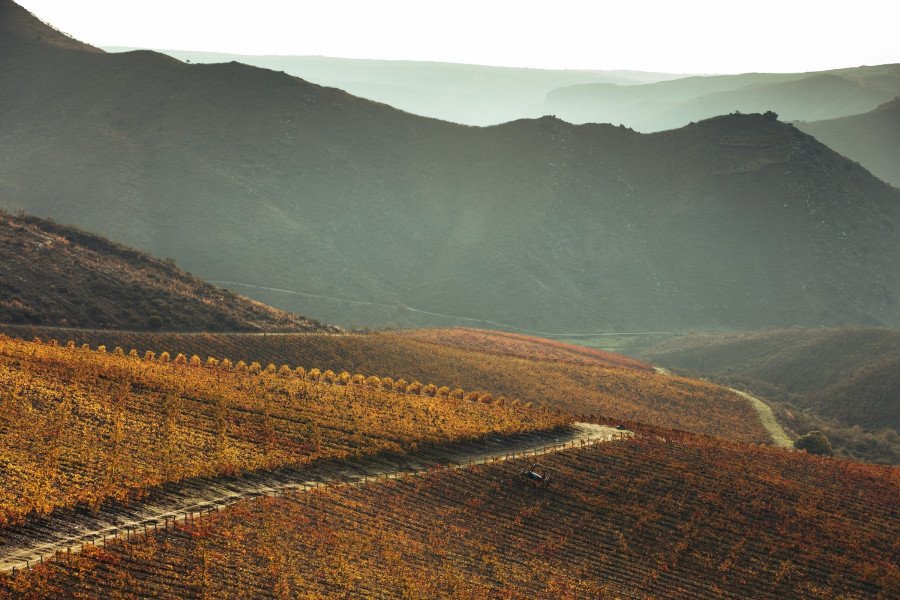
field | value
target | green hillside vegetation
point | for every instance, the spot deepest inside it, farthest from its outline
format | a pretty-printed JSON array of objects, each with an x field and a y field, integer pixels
[
  {"x": 56, "y": 275},
  {"x": 670, "y": 104},
  {"x": 872, "y": 139},
  {"x": 844, "y": 381},
  {"x": 252, "y": 176}
]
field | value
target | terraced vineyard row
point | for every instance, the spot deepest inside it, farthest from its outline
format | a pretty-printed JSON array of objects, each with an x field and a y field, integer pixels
[
  {"x": 583, "y": 388},
  {"x": 80, "y": 426},
  {"x": 666, "y": 515}
]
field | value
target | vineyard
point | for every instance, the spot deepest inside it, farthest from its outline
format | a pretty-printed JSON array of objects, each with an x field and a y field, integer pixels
[
  {"x": 80, "y": 426},
  {"x": 523, "y": 346},
  {"x": 664, "y": 515},
  {"x": 579, "y": 387}
]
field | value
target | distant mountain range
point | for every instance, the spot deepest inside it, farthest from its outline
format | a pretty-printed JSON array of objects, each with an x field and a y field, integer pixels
[
  {"x": 251, "y": 176},
  {"x": 872, "y": 138},
  {"x": 671, "y": 104},
  {"x": 56, "y": 275},
  {"x": 467, "y": 94}
]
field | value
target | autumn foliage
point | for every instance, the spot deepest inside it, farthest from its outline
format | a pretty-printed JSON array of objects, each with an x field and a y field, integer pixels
[
  {"x": 588, "y": 382},
  {"x": 666, "y": 515},
  {"x": 80, "y": 426}
]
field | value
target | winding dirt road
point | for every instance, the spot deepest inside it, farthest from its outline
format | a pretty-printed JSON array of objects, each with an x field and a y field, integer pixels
[{"x": 67, "y": 530}]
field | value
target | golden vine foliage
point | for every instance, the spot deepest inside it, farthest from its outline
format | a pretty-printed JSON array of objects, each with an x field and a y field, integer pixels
[
  {"x": 666, "y": 515},
  {"x": 574, "y": 379},
  {"x": 78, "y": 426}
]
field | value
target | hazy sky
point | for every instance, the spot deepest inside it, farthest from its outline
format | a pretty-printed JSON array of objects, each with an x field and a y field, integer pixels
[{"x": 697, "y": 36}]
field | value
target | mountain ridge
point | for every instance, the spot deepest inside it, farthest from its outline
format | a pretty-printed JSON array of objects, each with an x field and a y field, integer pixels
[
  {"x": 536, "y": 223},
  {"x": 871, "y": 138}
]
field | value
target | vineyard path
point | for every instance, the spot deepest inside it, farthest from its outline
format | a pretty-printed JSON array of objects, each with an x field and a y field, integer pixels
[
  {"x": 68, "y": 530},
  {"x": 763, "y": 411}
]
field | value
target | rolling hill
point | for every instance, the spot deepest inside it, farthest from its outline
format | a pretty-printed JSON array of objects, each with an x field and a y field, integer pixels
[
  {"x": 377, "y": 216},
  {"x": 467, "y": 94},
  {"x": 662, "y": 516},
  {"x": 843, "y": 381},
  {"x": 83, "y": 426},
  {"x": 56, "y": 275},
  {"x": 671, "y": 104},
  {"x": 615, "y": 389},
  {"x": 850, "y": 374},
  {"x": 872, "y": 139}
]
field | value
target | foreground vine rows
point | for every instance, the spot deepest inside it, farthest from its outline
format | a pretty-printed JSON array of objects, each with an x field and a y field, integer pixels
[{"x": 664, "y": 515}]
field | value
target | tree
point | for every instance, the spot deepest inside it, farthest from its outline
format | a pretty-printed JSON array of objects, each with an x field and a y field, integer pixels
[
  {"x": 769, "y": 114},
  {"x": 814, "y": 442}
]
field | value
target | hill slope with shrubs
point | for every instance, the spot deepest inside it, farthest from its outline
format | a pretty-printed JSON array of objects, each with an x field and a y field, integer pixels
[
  {"x": 377, "y": 216},
  {"x": 665, "y": 515},
  {"x": 56, "y": 275},
  {"x": 601, "y": 387}
]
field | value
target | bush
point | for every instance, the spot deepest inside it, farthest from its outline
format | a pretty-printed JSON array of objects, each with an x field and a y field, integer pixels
[{"x": 814, "y": 442}]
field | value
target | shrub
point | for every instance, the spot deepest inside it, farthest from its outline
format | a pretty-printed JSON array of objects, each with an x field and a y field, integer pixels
[
  {"x": 212, "y": 362},
  {"x": 195, "y": 360},
  {"x": 240, "y": 367},
  {"x": 70, "y": 345},
  {"x": 254, "y": 368},
  {"x": 429, "y": 390},
  {"x": 164, "y": 357},
  {"x": 387, "y": 383},
  {"x": 343, "y": 378},
  {"x": 358, "y": 379},
  {"x": 226, "y": 364},
  {"x": 118, "y": 351},
  {"x": 414, "y": 388},
  {"x": 314, "y": 374},
  {"x": 814, "y": 442},
  {"x": 133, "y": 353},
  {"x": 285, "y": 371},
  {"x": 442, "y": 391},
  {"x": 471, "y": 397},
  {"x": 457, "y": 394},
  {"x": 300, "y": 373},
  {"x": 373, "y": 382},
  {"x": 328, "y": 376},
  {"x": 270, "y": 369},
  {"x": 400, "y": 385}
]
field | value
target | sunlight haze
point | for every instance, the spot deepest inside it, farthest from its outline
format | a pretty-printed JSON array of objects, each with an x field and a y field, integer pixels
[{"x": 695, "y": 37}]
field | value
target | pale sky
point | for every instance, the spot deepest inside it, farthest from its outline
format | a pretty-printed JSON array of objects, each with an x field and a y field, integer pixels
[{"x": 689, "y": 36}]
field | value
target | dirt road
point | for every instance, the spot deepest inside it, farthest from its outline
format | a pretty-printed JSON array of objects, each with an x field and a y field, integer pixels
[{"x": 67, "y": 530}]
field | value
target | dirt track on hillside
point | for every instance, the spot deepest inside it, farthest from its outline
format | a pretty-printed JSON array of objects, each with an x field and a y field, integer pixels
[{"x": 41, "y": 538}]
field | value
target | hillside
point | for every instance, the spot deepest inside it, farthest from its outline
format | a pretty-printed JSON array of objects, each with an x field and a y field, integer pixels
[
  {"x": 843, "y": 373},
  {"x": 82, "y": 426},
  {"x": 620, "y": 520},
  {"x": 872, "y": 139},
  {"x": 467, "y": 94},
  {"x": 376, "y": 216},
  {"x": 845, "y": 382},
  {"x": 671, "y": 104},
  {"x": 56, "y": 275},
  {"x": 613, "y": 388}
]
